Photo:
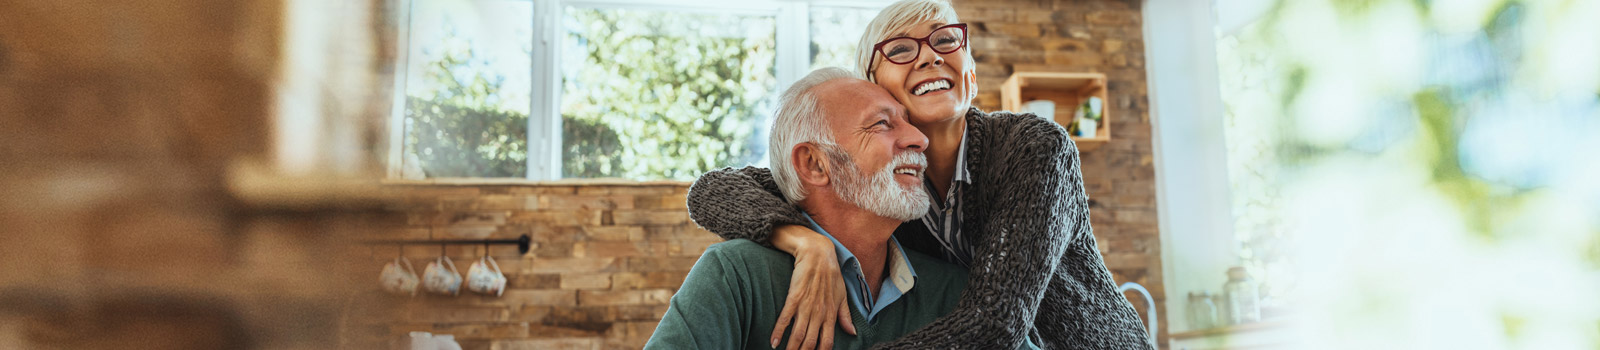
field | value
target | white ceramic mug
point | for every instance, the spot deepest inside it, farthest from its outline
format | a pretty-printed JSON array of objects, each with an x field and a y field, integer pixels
[
  {"x": 441, "y": 277},
  {"x": 423, "y": 341},
  {"x": 484, "y": 277},
  {"x": 398, "y": 277},
  {"x": 1043, "y": 108}
]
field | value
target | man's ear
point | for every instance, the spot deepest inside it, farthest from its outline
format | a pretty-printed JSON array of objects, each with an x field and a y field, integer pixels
[{"x": 810, "y": 164}]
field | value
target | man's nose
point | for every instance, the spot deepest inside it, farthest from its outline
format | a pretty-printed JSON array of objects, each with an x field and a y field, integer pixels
[{"x": 911, "y": 139}]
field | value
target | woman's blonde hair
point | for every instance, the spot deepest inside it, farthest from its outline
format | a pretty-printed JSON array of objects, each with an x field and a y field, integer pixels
[{"x": 897, "y": 19}]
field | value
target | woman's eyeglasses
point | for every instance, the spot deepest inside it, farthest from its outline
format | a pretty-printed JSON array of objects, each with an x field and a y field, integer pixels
[{"x": 903, "y": 50}]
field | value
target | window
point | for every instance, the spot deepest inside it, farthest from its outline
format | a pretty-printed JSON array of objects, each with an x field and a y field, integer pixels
[
  {"x": 467, "y": 87},
  {"x": 835, "y": 32},
  {"x": 1249, "y": 72},
  {"x": 687, "y": 100},
  {"x": 639, "y": 89}
]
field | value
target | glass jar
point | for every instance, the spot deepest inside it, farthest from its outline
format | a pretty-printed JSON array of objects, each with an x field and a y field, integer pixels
[
  {"x": 1224, "y": 318},
  {"x": 1202, "y": 311},
  {"x": 1244, "y": 300}
]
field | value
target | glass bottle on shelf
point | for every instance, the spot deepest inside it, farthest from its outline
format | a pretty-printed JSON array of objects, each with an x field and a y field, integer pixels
[
  {"x": 1202, "y": 311},
  {"x": 1243, "y": 297},
  {"x": 1224, "y": 318}
]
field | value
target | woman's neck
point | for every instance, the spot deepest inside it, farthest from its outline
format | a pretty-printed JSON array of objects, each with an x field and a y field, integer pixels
[{"x": 944, "y": 146}]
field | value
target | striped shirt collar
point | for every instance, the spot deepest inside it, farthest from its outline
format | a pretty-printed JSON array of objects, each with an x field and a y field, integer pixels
[
  {"x": 961, "y": 163},
  {"x": 945, "y": 215}
]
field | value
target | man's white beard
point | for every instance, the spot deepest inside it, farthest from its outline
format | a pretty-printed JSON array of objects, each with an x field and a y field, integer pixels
[{"x": 880, "y": 193}]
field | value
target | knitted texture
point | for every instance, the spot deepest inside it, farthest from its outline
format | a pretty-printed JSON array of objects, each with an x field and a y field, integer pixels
[{"x": 1036, "y": 270}]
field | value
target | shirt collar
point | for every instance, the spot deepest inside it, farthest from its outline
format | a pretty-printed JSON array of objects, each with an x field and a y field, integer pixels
[
  {"x": 900, "y": 279},
  {"x": 961, "y": 162}
]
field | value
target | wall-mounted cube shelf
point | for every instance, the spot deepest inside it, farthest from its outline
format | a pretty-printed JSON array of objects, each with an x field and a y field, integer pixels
[{"x": 1068, "y": 91}]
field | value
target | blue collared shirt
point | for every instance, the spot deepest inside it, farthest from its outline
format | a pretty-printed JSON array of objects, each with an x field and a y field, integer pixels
[{"x": 897, "y": 282}]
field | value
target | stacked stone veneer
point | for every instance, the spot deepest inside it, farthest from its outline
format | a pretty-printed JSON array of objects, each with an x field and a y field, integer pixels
[{"x": 605, "y": 261}]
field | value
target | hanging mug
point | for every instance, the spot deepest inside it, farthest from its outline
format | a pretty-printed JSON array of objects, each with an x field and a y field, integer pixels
[
  {"x": 441, "y": 277},
  {"x": 399, "y": 277},
  {"x": 484, "y": 277}
]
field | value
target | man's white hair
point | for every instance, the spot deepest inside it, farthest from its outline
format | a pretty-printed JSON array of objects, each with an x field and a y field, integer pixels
[
  {"x": 897, "y": 18},
  {"x": 800, "y": 120}
]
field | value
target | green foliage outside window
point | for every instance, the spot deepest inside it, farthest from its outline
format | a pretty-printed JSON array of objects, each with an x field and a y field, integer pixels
[
  {"x": 645, "y": 95},
  {"x": 456, "y": 129},
  {"x": 664, "y": 95}
]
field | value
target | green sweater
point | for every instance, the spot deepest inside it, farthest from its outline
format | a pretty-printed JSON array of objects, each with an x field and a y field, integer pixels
[{"x": 732, "y": 297}]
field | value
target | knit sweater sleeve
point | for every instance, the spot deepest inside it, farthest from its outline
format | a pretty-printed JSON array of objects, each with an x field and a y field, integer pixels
[
  {"x": 1030, "y": 220},
  {"x": 741, "y": 203}
]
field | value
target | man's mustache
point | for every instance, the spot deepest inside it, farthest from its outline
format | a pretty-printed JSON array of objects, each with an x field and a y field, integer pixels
[{"x": 908, "y": 158}]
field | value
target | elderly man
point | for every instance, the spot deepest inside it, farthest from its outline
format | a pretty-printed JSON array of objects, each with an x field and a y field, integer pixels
[{"x": 843, "y": 151}]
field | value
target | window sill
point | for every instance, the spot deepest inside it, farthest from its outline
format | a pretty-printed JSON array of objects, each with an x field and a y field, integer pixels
[
  {"x": 527, "y": 182},
  {"x": 1269, "y": 334},
  {"x": 1234, "y": 329}
]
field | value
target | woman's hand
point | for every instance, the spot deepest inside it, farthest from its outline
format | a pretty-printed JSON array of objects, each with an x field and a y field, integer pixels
[{"x": 816, "y": 290}]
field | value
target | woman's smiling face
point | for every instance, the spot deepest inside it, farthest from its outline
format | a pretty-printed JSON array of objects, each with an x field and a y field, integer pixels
[{"x": 933, "y": 87}]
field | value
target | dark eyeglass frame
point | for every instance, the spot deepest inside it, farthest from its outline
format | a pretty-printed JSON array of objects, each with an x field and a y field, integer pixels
[{"x": 923, "y": 41}]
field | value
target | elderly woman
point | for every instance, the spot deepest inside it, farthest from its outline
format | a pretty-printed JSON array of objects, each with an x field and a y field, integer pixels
[{"x": 1008, "y": 204}]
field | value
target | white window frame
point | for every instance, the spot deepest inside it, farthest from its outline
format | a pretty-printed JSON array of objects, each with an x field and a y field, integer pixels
[
  {"x": 1193, "y": 192},
  {"x": 1193, "y": 202},
  {"x": 544, "y": 119}
]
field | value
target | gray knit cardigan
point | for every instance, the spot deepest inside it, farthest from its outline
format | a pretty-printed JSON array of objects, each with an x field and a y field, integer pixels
[{"x": 1036, "y": 270}]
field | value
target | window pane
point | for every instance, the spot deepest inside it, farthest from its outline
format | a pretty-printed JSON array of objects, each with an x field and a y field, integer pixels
[
  {"x": 467, "y": 87},
  {"x": 664, "y": 95},
  {"x": 1250, "y": 71},
  {"x": 834, "y": 34}
]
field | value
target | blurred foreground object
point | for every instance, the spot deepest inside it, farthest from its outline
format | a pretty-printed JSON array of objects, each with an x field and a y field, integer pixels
[
  {"x": 1419, "y": 175},
  {"x": 164, "y": 171}
]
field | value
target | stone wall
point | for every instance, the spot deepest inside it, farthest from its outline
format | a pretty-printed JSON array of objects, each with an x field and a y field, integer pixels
[{"x": 605, "y": 261}]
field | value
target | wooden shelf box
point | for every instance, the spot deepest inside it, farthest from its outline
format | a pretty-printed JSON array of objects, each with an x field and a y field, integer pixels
[{"x": 1068, "y": 91}]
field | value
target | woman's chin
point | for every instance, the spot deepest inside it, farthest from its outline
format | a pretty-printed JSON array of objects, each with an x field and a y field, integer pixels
[{"x": 935, "y": 111}]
